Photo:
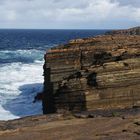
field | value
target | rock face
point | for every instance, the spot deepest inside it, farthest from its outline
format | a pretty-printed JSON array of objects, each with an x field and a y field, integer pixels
[
  {"x": 131, "y": 31},
  {"x": 93, "y": 73}
]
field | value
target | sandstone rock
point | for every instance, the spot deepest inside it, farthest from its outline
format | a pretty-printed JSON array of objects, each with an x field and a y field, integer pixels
[
  {"x": 93, "y": 73},
  {"x": 52, "y": 127},
  {"x": 137, "y": 121}
]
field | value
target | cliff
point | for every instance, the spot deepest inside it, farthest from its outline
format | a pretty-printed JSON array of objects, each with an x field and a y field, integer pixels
[
  {"x": 131, "y": 31},
  {"x": 102, "y": 72}
]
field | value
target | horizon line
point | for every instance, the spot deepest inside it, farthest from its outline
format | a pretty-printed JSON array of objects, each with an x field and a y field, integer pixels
[
  {"x": 61, "y": 28},
  {"x": 66, "y": 28}
]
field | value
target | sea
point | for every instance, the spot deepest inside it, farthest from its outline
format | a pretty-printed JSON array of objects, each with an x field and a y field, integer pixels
[{"x": 21, "y": 66}]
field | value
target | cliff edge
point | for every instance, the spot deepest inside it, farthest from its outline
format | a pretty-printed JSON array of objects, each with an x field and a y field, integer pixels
[{"x": 102, "y": 72}]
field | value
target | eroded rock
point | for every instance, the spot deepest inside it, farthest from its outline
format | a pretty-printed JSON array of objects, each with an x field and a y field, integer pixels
[{"x": 93, "y": 73}]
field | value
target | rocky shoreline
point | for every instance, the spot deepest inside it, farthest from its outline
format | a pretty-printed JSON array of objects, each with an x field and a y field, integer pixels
[
  {"x": 119, "y": 125},
  {"x": 131, "y": 31},
  {"x": 92, "y": 88}
]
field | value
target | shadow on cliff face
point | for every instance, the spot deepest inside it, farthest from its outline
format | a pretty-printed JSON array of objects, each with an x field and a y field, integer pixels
[
  {"x": 92, "y": 79},
  {"x": 22, "y": 105},
  {"x": 68, "y": 98}
]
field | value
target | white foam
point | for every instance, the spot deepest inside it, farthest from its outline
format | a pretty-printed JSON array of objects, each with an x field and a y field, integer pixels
[
  {"x": 19, "y": 83},
  {"x": 21, "y": 55}
]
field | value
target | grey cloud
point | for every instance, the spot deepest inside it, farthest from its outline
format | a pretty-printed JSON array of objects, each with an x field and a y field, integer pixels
[
  {"x": 134, "y": 3},
  {"x": 68, "y": 13}
]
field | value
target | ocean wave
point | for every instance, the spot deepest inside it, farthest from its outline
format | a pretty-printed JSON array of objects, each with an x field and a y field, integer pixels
[
  {"x": 19, "y": 83},
  {"x": 24, "y": 56}
]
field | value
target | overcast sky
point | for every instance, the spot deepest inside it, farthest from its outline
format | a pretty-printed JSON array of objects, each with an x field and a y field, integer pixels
[{"x": 69, "y": 14}]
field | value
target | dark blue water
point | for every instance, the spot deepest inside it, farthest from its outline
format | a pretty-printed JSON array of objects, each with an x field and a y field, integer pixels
[
  {"x": 40, "y": 39},
  {"x": 21, "y": 61},
  {"x": 29, "y": 45}
]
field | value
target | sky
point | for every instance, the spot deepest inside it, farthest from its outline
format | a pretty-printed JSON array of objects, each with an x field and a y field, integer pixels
[{"x": 69, "y": 14}]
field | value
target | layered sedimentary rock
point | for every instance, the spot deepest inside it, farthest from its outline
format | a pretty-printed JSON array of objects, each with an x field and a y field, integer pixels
[
  {"x": 131, "y": 31},
  {"x": 102, "y": 72}
]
